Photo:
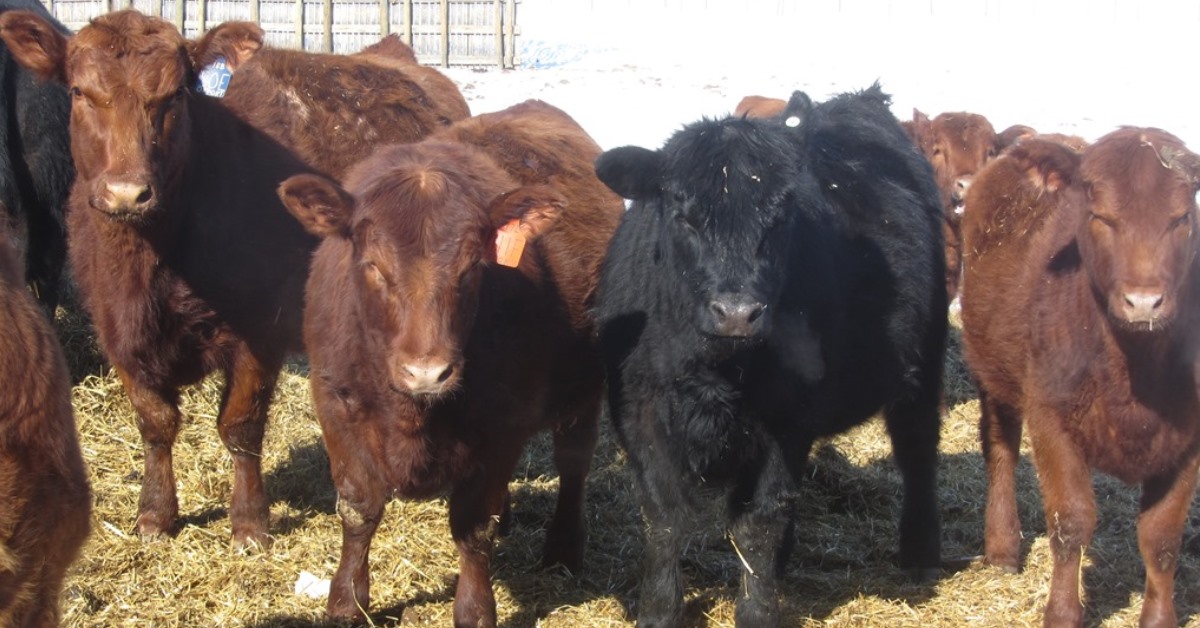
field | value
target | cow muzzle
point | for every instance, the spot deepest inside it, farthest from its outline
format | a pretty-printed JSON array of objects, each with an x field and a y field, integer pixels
[
  {"x": 735, "y": 316},
  {"x": 125, "y": 198},
  {"x": 425, "y": 377}
]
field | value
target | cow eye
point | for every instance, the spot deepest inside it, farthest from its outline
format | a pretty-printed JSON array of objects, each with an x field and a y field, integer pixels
[
  {"x": 76, "y": 92},
  {"x": 376, "y": 275},
  {"x": 1181, "y": 220},
  {"x": 1107, "y": 221},
  {"x": 683, "y": 221}
]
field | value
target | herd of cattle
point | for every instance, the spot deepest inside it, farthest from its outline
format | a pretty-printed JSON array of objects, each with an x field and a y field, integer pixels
[{"x": 460, "y": 283}]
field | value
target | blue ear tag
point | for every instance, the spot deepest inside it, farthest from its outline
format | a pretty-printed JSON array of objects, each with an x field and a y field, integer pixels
[{"x": 214, "y": 78}]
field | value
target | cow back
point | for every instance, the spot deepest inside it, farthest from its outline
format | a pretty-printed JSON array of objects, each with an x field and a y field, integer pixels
[
  {"x": 537, "y": 143},
  {"x": 333, "y": 110}
]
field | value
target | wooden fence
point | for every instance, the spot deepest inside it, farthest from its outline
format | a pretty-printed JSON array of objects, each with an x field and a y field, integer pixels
[{"x": 444, "y": 32}]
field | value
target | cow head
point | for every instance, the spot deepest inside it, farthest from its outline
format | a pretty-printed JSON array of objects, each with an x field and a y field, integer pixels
[
  {"x": 957, "y": 145},
  {"x": 1140, "y": 240},
  {"x": 722, "y": 191},
  {"x": 130, "y": 79},
  {"x": 422, "y": 221}
]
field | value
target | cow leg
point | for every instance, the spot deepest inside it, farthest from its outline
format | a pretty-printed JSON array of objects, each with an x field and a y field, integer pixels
[
  {"x": 1070, "y": 507},
  {"x": 914, "y": 429},
  {"x": 241, "y": 423},
  {"x": 574, "y": 445},
  {"x": 761, "y": 515},
  {"x": 476, "y": 507},
  {"x": 361, "y": 510},
  {"x": 1000, "y": 432},
  {"x": 158, "y": 422},
  {"x": 661, "y": 495},
  {"x": 1164, "y": 511}
]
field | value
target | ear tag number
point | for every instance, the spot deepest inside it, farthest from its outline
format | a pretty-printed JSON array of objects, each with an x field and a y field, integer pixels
[
  {"x": 214, "y": 78},
  {"x": 509, "y": 244}
]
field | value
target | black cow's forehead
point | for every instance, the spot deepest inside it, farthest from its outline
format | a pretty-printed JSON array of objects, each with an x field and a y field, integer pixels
[{"x": 729, "y": 168}]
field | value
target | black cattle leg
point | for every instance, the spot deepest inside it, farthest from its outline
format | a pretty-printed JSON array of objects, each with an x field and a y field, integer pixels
[
  {"x": 914, "y": 429},
  {"x": 761, "y": 514}
]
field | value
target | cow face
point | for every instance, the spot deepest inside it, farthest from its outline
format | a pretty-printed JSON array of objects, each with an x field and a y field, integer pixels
[
  {"x": 957, "y": 145},
  {"x": 723, "y": 194},
  {"x": 129, "y": 76},
  {"x": 423, "y": 226},
  {"x": 1140, "y": 239}
]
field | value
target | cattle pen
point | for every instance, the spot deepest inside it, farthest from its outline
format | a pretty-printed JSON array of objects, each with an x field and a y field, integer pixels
[{"x": 441, "y": 32}]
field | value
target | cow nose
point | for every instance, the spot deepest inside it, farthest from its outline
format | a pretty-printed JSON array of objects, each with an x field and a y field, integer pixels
[
  {"x": 959, "y": 195},
  {"x": 1142, "y": 306},
  {"x": 736, "y": 315},
  {"x": 426, "y": 377},
  {"x": 127, "y": 196}
]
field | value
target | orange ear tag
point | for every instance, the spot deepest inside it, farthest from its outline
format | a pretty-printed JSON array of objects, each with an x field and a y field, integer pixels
[{"x": 509, "y": 244}]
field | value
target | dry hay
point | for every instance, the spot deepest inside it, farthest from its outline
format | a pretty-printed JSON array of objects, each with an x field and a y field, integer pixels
[{"x": 842, "y": 572}]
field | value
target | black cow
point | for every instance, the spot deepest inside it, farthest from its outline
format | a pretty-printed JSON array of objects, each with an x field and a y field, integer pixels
[
  {"x": 770, "y": 286},
  {"x": 35, "y": 165}
]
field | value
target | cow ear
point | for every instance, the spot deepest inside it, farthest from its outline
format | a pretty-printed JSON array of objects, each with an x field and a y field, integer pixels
[
  {"x": 36, "y": 44},
  {"x": 520, "y": 216},
  {"x": 798, "y": 108},
  {"x": 236, "y": 42},
  {"x": 631, "y": 171},
  {"x": 321, "y": 205},
  {"x": 1049, "y": 166},
  {"x": 534, "y": 208}
]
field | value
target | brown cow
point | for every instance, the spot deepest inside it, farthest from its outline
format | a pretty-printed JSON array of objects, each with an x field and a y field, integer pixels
[
  {"x": 1017, "y": 133},
  {"x": 1081, "y": 316},
  {"x": 433, "y": 364},
  {"x": 760, "y": 107},
  {"x": 332, "y": 110},
  {"x": 185, "y": 259},
  {"x": 957, "y": 144},
  {"x": 45, "y": 505}
]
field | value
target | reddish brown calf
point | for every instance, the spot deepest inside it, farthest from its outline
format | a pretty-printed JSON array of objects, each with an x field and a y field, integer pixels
[
  {"x": 45, "y": 505},
  {"x": 957, "y": 145},
  {"x": 1081, "y": 319},
  {"x": 432, "y": 363},
  {"x": 759, "y": 107},
  {"x": 331, "y": 110},
  {"x": 185, "y": 259}
]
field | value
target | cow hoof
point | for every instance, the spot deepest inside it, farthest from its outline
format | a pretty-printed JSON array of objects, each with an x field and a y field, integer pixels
[
  {"x": 924, "y": 574},
  {"x": 251, "y": 542},
  {"x": 1005, "y": 564},
  {"x": 152, "y": 528}
]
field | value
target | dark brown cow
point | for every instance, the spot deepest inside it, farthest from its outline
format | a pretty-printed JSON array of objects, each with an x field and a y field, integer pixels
[
  {"x": 1017, "y": 133},
  {"x": 185, "y": 259},
  {"x": 432, "y": 364},
  {"x": 957, "y": 144},
  {"x": 759, "y": 107},
  {"x": 1081, "y": 314},
  {"x": 45, "y": 506},
  {"x": 332, "y": 110}
]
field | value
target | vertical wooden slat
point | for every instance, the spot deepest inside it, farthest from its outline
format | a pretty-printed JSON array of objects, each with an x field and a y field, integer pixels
[
  {"x": 180, "y": 14},
  {"x": 202, "y": 10},
  {"x": 499, "y": 26},
  {"x": 408, "y": 20},
  {"x": 327, "y": 18},
  {"x": 385, "y": 18},
  {"x": 445, "y": 33},
  {"x": 108, "y": 6},
  {"x": 50, "y": 7},
  {"x": 256, "y": 11},
  {"x": 155, "y": 7},
  {"x": 300, "y": 24},
  {"x": 510, "y": 50}
]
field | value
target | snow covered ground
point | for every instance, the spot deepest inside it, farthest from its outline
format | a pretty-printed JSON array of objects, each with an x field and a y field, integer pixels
[{"x": 637, "y": 83}]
